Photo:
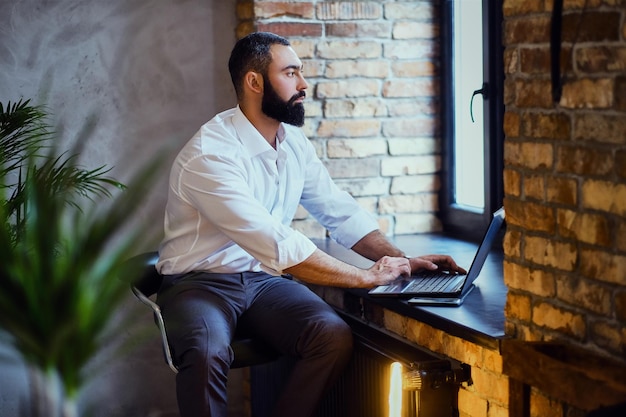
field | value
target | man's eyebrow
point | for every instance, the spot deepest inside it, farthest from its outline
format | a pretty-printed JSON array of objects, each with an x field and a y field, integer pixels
[{"x": 293, "y": 66}]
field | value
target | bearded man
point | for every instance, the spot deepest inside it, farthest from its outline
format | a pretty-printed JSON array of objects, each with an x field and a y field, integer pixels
[{"x": 229, "y": 250}]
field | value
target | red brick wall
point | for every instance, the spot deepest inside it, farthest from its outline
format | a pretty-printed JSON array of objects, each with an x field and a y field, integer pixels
[
  {"x": 372, "y": 110},
  {"x": 565, "y": 176},
  {"x": 373, "y": 70}
]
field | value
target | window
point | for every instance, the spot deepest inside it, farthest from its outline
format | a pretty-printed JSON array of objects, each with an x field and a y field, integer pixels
[{"x": 472, "y": 109}]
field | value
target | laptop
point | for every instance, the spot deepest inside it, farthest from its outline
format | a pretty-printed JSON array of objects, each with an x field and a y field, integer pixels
[{"x": 440, "y": 287}]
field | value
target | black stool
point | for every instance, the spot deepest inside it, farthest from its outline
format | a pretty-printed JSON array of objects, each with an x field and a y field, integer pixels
[{"x": 248, "y": 351}]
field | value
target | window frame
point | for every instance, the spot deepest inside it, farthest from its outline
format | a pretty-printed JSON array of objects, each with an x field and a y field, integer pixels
[{"x": 456, "y": 220}]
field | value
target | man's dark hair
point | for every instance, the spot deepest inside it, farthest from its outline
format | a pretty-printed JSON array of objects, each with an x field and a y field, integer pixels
[{"x": 252, "y": 53}]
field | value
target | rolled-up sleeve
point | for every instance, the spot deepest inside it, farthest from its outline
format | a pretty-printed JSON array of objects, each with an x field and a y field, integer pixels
[{"x": 291, "y": 251}]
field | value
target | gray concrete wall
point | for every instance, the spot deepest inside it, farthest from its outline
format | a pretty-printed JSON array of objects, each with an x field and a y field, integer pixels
[{"x": 151, "y": 72}]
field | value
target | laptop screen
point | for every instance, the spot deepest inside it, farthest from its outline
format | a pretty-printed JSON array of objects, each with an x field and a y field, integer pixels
[{"x": 483, "y": 249}]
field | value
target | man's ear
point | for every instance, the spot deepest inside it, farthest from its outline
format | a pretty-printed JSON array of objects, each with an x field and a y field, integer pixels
[{"x": 254, "y": 82}]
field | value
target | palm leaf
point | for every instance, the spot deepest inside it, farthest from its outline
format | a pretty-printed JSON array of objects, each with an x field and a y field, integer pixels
[
  {"x": 24, "y": 137},
  {"x": 23, "y": 131}
]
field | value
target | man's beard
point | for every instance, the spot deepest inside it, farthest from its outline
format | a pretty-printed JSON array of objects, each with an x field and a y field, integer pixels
[{"x": 284, "y": 111}]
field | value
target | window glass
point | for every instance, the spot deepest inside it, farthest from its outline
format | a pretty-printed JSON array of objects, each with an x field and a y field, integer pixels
[
  {"x": 472, "y": 111},
  {"x": 467, "y": 52}
]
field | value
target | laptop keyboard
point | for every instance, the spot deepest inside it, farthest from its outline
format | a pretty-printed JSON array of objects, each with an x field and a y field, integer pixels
[{"x": 432, "y": 282}]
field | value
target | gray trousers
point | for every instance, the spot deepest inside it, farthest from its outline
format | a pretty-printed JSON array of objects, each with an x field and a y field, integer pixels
[{"x": 201, "y": 311}]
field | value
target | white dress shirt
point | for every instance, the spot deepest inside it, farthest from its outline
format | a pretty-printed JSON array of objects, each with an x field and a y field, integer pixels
[{"x": 232, "y": 198}]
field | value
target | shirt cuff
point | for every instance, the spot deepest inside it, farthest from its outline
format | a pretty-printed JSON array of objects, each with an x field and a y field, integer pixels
[{"x": 291, "y": 251}]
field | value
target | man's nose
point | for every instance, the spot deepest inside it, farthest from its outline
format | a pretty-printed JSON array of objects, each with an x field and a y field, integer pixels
[{"x": 302, "y": 84}]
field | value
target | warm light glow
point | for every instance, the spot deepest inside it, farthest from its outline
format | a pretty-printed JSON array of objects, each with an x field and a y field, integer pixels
[{"x": 395, "y": 390}]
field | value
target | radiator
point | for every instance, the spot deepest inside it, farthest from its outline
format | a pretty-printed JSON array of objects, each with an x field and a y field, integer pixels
[{"x": 431, "y": 382}]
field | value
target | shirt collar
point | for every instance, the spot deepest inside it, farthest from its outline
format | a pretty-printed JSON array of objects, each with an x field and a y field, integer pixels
[
  {"x": 251, "y": 139},
  {"x": 281, "y": 134}
]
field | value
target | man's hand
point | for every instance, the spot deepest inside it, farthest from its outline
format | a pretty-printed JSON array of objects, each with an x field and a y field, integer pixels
[
  {"x": 386, "y": 270},
  {"x": 435, "y": 262}
]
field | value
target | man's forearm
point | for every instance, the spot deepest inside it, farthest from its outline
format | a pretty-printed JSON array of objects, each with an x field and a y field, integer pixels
[
  {"x": 322, "y": 269},
  {"x": 375, "y": 245},
  {"x": 389, "y": 263}
]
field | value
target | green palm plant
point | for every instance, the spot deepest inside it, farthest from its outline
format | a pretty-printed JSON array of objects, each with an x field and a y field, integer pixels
[
  {"x": 25, "y": 152},
  {"x": 62, "y": 257}
]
